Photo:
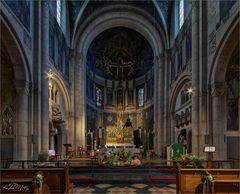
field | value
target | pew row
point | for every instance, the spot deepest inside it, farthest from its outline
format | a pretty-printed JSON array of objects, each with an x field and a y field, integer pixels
[
  {"x": 192, "y": 180},
  {"x": 55, "y": 180}
]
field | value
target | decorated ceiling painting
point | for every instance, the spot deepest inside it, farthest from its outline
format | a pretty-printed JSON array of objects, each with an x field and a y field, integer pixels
[{"x": 120, "y": 54}]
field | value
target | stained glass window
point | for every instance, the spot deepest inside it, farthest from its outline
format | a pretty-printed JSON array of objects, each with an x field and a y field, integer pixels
[
  {"x": 99, "y": 97},
  {"x": 51, "y": 42},
  {"x": 181, "y": 13},
  {"x": 232, "y": 78},
  {"x": 59, "y": 10},
  {"x": 141, "y": 97}
]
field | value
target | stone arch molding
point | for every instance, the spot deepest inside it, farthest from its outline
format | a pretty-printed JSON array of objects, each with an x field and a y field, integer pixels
[
  {"x": 59, "y": 81},
  {"x": 86, "y": 3},
  {"x": 221, "y": 59},
  {"x": 173, "y": 96},
  {"x": 127, "y": 16},
  {"x": 15, "y": 49}
]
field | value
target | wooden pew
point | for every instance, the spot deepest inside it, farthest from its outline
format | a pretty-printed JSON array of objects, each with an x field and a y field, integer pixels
[
  {"x": 56, "y": 180},
  {"x": 190, "y": 180}
]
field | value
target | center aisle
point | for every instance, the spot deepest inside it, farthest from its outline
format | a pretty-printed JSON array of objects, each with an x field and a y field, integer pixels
[
  {"x": 89, "y": 177},
  {"x": 161, "y": 188}
]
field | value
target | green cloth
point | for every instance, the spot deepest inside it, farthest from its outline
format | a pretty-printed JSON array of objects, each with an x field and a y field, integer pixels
[{"x": 177, "y": 150}]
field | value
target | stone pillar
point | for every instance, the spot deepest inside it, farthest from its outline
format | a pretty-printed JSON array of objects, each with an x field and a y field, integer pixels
[
  {"x": 239, "y": 106},
  {"x": 52, "y": 132},
  {"x": 80, "y": 101},
  {"x": 166, "y": 120},
  {"x": 22, "y": 88},
  {"x": 44, "y": 80},
  {"x": 156, "y": 131},
  {"x": 196, "y": 149},
  {"x": 172, "y": 128},
  {"x": 203, "y": 76},
  {"x": 72, "y": 138},
  {"x": 218, "y": 108},
  {"x": 161, "y": 133}
]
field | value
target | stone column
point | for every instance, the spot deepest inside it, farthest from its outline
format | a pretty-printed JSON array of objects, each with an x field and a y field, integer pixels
[
  {"x": 37, "y": 77},
  {"x": 172, "y": 128},
  {"x": 195, "y": 78},
  {"x": 80, "y": 101},
  {"x": 218, "y": 108},
  {"x": 22, "y": 88},
  {"x": 156, "y": 131},
  {"x": 44, "y": 80},
  {"x": 72, "y": 138},
  {"x": 239, "y": 106},
  {"x": 166, "y": 120},
  {"x": 161, "y": 134},
  {"x": 52, "y": 132},
  {"x": 203, "y": 75}
]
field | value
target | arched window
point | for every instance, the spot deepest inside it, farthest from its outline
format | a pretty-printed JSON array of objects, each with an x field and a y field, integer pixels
[
  {"x": 99, "y": 97},
  {"x": 59, "y": 10},
  {"x": 141, "y": 97},
  {"x": 181, "y": 13}
]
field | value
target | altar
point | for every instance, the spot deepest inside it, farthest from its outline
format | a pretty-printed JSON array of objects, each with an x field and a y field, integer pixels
[
  {"x": 120, "y": 133},
  {"x": 130, "y": 147}
]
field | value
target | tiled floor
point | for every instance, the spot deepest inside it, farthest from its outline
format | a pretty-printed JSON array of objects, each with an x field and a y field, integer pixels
[{"x": 125, "y": 188}]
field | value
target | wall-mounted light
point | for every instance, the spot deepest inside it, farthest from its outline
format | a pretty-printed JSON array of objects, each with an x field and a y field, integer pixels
[
  {"x": 50, "y": 74},
  {"x": 190, "y": 90}
]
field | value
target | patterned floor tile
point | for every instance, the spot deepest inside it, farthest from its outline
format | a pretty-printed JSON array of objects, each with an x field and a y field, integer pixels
[
  {"x": 85, "y": 190},
  {"x": 163, "y": 190},
  {"x": 172, "y": 185},
  {"x": 139, "y": 186},
  {"x": 103, "y": 186},
  {"x": 122, "y": 190}
]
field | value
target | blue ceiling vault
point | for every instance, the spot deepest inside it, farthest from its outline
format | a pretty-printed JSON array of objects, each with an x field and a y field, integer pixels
[
  {"x": 120, "y": 54},
  {"x": 127, "y": 54},
  {"x": 147, "y": 5}
]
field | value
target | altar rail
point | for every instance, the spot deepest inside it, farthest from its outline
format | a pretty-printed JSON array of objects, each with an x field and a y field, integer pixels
[{"x": 18, "y": 176}]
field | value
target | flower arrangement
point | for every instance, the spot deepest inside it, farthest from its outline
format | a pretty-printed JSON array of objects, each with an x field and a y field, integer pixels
[
  {"x": 38, "y": 179},
  {"x": 189, "y": 160},
  {"x": 119, "y": 158},
  {"x": 208, "y": 178}
]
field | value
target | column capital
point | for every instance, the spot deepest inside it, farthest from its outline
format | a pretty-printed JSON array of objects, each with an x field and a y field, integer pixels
[
  {"x": 159, "y": 59},
  {"x": 194, "y": 3},
  {"x": 22, "y": 87},
  {"x": 218, "y": 89},
  {"x": 78, "y": 56},
  {"x": 160, "y": 56}
]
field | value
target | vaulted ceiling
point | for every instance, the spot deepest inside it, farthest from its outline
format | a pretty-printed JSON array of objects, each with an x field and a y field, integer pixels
[
  {"x": 120, "y": 53},
  {"x": 159, "y": 9}
]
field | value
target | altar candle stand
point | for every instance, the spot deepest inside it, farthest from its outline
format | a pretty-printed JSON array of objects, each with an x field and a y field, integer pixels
[{"x": 67, "y": 145}]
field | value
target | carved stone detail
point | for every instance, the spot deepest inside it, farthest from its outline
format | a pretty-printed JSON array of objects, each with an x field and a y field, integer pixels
[
  {"x": 218, "y": 89},
  {"x": 7, "y": 122},
  {"x": 212, "y": 42},
  {"x": 22, "y": 87}
]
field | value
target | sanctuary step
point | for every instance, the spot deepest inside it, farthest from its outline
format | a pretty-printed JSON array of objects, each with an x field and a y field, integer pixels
[{"x": 103, "y": 174}]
